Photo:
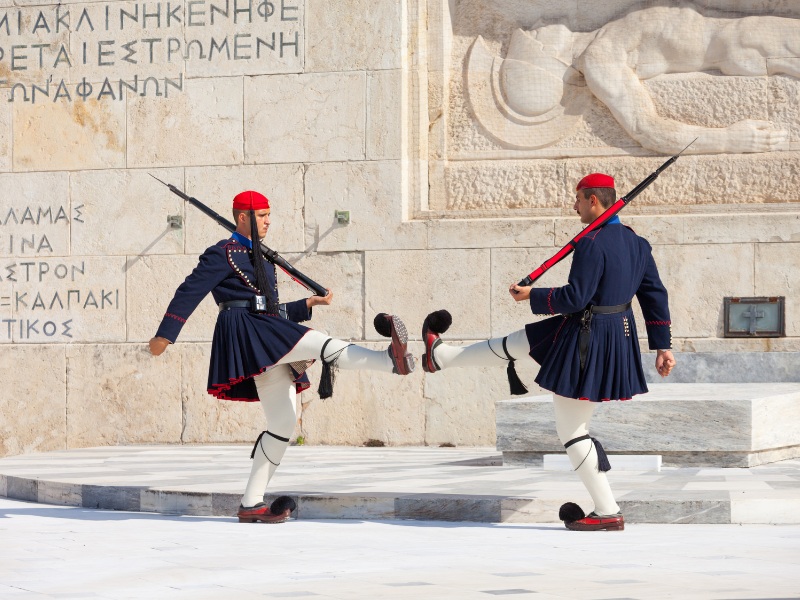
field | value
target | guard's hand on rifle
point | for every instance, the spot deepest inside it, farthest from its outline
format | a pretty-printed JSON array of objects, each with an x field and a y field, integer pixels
[
  {"x": 158, "y": 345},
  {"x": 664, "y": 362},
  {"x": 520, "y": 292},
  {"x": 317, "y": 300}
]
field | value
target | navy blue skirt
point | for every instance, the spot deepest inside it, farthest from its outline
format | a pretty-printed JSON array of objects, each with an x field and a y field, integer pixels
[
  {"x": 613, "y": 368},
  {"x": 246, "y": 344}
]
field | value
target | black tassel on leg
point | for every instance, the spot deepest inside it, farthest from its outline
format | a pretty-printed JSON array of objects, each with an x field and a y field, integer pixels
[
  {"x": 258, "y": 440},
  {"x": 602, "y": 457},
  {"x": 325, "y": 389},
  {"x": 514, "y": 382}
]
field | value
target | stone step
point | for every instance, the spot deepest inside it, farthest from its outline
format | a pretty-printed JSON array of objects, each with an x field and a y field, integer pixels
[{"x": 688, "y": 424}]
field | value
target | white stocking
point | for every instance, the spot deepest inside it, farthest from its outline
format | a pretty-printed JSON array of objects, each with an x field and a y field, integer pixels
[
  {"x": 483, "y": 354},
  {"x": 276, "y": 390},
  {"x": 350, "y": 356},
  {"x": 572, "y": 421}
]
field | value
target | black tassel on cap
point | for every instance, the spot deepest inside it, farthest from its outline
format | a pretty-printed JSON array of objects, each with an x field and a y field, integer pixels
[
  {"x": 602, "y": 457},
  {"x": 514, "y": 382}
]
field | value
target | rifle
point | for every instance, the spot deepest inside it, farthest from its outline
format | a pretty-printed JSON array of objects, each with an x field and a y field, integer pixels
[
  {"x": 272, "y": 256},
  {"x": 598, "y": 222}
]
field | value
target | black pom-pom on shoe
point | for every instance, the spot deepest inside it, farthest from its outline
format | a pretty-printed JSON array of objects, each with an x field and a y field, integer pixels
[
  {"x": 439, "y": 321},
  {"x": 282, "y": 504},
  {"x": 382, "y": 324},
  {"x": 570, "y": 512}
]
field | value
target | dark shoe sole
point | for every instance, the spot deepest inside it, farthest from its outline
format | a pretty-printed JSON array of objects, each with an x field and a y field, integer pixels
[
  {"x": 403, "y": 360},
  {"x": 611, "y": 526},
  {"x": 269, "y": 519}
]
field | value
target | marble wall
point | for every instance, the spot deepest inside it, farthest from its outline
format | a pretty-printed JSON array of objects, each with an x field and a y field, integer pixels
[{"x": 370, "y": 107}]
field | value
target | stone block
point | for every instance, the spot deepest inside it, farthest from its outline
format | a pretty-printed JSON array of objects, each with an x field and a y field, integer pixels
[
  {"x": 5, "y": 135},
  {"x": 305, "y": 118},
  {"x": 343, "y": 274},
  {"x": 676, "y": 186},
  {"x": 175, "y": 503},
  {"x": 77, "y": 300},
  {"x": 115, "y": 46},
  {"x": 207, "y": 420},
  {"x": 346, "y": 507},
  {"x": 539, "y": 510},
  {"x": 132, "y": 203},
  {"x": 749, "y": 179},
  {"x": 764, "y": 229},
  {"x": 25, "y": 63},
  {"x": 248, "y": 43},
  {"x": 782, "y": 507},
  {"x": 491, "y": 233},
  {"x": 509, "y": 266},
  {"x": 709, "y": 100},
  {"x": 216, "y": 186},
  {"x": 33, "y": 414},
  {"x": 70, "y": 135},
  {"x": 483, "y": 509},
  {"x": 152, "y": 281},
  {"x": 371, "y": 191},
  {"x": 359, "y": 36},
  {"x": 783, "y": 109},
  {"x": 673, "y": 421},
  {"x": 37, "y": 217},
  {"x": 19, "y": 488},
  {"x": 366, "y": 405},
  {"x": 460, "y": 403},
  {"x": 112, "y": 497},
  {"x": 225, "y": 505},
  {"x": 698, "y": 277},
  {"x": 734, "y": 366},
  {"x": 776, "y": 268},
  {"x": 410, "y": 283},
  {"x": 119, "y": 394},
  {"x": 202, "y": 125},
  {"x": 506, "y": 185},
  {"x": 650, "y": 508},
  {"x": 56, "y": 492},
  {"x": 384, "y": 122}
]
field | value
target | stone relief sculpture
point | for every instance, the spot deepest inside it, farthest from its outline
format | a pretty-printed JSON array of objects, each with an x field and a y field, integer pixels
[{"x": 536, "y": 95}]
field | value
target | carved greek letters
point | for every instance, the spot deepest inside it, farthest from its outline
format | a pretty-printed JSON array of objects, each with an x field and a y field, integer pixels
[{"x": 146, "y": 45}]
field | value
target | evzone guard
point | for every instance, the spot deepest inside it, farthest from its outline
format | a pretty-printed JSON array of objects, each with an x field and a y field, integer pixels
[
  {"x": 260, "y": 352},
  {"x": 588, "y": 350}
]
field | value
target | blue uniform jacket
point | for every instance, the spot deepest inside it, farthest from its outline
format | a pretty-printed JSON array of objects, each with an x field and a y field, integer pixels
[
  {"x": 610, "y": 266},
  {"x": 226, "y": 271},
  {"x": 245, "y": 344}
]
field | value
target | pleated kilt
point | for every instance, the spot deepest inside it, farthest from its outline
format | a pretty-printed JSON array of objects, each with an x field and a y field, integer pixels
[
  {"x": 246, "y": 344},
  {"x": 613, "y": 369}
]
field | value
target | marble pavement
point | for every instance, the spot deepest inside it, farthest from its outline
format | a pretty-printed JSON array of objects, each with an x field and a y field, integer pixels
[{"x": 418, "y": 483}]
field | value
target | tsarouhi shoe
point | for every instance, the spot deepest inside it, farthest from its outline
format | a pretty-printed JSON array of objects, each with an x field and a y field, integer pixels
[
  {"x": 392, "y": 326},
  {"x": 435, "y": 323},
  {"x": 278, "y": 512},
  {"x": 595, "y": 522}
]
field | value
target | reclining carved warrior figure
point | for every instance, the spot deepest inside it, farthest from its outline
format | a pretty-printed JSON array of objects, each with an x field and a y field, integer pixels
[{"x": 546, "y": 67}]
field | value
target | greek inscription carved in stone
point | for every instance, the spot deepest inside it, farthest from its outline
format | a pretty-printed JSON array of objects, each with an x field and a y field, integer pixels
[{"x": 128, "y": 41}]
